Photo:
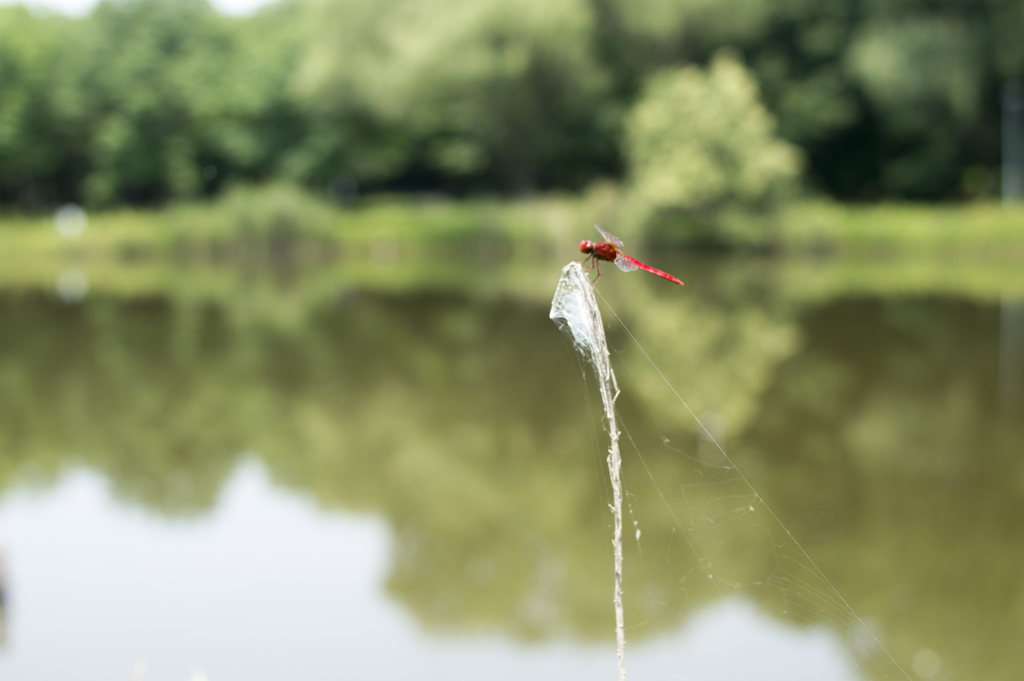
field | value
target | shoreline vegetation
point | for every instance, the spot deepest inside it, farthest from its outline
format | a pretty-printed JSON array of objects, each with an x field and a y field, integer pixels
[{"x": 393, "y": 243}]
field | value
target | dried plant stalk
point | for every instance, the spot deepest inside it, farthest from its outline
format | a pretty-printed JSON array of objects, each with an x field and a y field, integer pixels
[{"x": 575, "y": 310}]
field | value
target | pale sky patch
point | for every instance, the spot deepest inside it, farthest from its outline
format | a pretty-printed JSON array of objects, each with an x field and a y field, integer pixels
[{"x": 80, "y": 8}]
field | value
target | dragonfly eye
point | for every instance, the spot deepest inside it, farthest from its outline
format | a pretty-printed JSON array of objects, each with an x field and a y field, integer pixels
[{"x": 586, "y": 247}]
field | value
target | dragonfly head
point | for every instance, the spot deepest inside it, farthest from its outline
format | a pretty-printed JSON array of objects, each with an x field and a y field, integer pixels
[{"x": 586, "y": 247}]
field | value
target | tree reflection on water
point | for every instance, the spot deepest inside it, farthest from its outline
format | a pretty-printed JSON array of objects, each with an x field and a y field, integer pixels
[{"x": 872, "y": 425}]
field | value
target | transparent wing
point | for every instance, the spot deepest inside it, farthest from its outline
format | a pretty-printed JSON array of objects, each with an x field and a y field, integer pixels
[
  {"x": 625, "y": 263},
  {"x": 609, "y": 237}
]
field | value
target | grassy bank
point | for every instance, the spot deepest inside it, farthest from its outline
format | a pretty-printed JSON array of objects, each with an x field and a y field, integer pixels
[
  {"x": 280, "y": 222},
  {"x": 974, "y": 230},
  {"x": 256, "y": 243}
]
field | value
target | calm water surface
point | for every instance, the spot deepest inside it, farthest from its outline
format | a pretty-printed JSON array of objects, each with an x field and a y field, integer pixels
[{"x": 394, "y": 485}]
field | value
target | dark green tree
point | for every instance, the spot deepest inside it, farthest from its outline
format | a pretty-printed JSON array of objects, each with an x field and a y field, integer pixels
[{"x": 39, "y": 159}]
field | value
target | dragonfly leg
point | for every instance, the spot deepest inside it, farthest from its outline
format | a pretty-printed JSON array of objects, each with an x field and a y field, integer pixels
[
  {"x": 592, "y": 260},
  {"x": 598, "y": 264}
]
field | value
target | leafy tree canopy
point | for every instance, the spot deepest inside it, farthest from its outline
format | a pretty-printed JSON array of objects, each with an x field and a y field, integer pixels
[{"x": 150, "y": 100}]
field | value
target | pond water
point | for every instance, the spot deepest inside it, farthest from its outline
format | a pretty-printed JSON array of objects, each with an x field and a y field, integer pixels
[{"x": 411, "y": 484}]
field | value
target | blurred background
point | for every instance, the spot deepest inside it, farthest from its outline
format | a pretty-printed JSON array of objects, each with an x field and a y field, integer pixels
[{"x": 279, "y": 394}]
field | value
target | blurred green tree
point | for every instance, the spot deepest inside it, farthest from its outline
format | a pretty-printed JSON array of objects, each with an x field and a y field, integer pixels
[
  {"x": 699, "y": 143},
  {"x": 926, "y": 74},
  {"x": 147, "y": 80},
  {"x": 177, "y": 95},
  {"x": 503, "y": 94}
]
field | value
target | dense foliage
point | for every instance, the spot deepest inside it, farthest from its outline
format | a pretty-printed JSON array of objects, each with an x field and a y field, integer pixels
[{"x": 147, "y": 100}]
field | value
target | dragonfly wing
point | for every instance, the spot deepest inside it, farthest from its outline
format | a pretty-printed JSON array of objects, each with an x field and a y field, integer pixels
[
  {"x": 609, "y": 237},
  {"x": 626, "y": 263}
]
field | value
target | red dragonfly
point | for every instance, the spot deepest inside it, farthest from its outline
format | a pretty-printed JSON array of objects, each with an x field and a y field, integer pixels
[{"x": 609, "y": 250}]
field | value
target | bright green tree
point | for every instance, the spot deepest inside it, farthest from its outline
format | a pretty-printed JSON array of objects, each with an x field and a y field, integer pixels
[{"x": 700, "y": 142}]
